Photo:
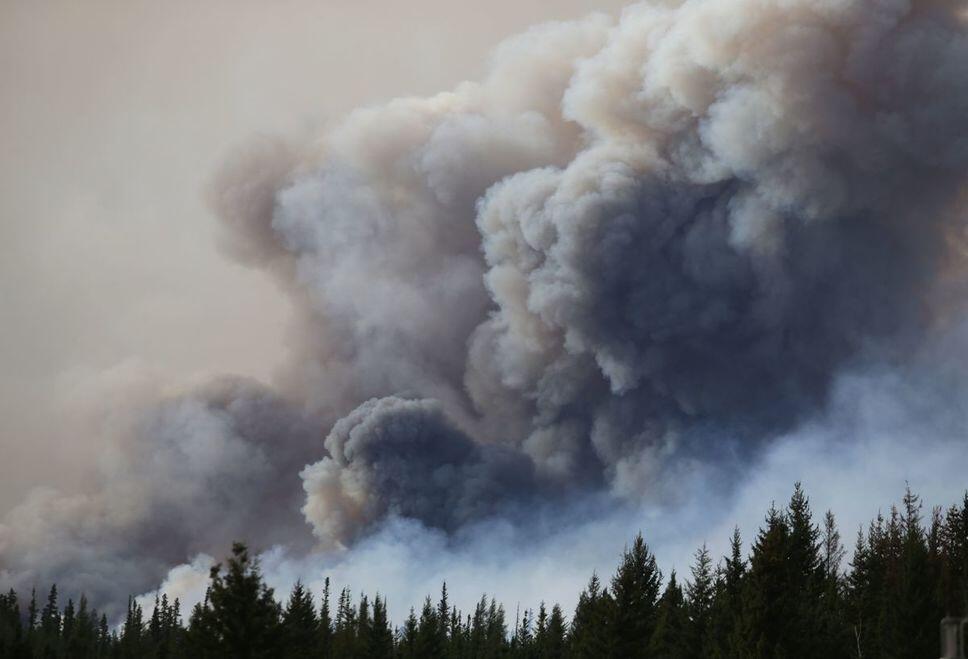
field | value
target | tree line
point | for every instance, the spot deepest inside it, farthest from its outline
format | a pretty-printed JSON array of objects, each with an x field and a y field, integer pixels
[{"x": 789, "y": 597}]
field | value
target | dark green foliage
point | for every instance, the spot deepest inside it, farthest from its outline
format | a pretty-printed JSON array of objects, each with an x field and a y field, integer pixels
[
  {"x": 407, "y": 637},
  {"x": 670, "y": 639},
  {"x": 324, "y": 638},
  {"x": 431, "y": 636},
  {"x": 300, "y": 627},
  {"x": 632, "y": 612},
  {"x": 792, "y": 598},
  {"x": 240, "y": 618},
  {"x": 13, "y": 641},
  {"x": 589, "y": 635},
  {"x": 700, "y": 597}
]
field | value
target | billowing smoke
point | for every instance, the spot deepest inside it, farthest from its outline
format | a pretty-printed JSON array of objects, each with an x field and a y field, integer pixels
[
  {"x": 191, "y": 474},
  {"x": 403, "y": 457},
  {"x": 635, "y": 250}
]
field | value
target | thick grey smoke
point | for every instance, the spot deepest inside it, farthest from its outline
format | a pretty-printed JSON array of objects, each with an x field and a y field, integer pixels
[
  {"x": 403, "y": 457},
  {"x": 191, "y": 474},
  {"x": 634, "y": 250}
]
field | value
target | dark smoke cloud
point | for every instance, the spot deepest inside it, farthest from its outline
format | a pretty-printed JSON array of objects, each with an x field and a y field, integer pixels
[
  {"x": 405, "y": 458},
  {"x": 193, "y": 474},
  {"x": 632, "y": 247}
]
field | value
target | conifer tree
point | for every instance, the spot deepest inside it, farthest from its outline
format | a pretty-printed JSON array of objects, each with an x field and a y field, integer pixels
[
  {"x": 522, "y": 641},
  {"x": 804, "y": 628},
  {"x": 201, "y": 637},
  {"x": 540, "y": 630},
  {"x": 632, "y": 611},
  {"x": 325, "y": 631},
  {"x": 794, "y": 599},
  {"x": 589, "y": 634},
  {"x": 300, "y": 627},
  {"x": 380, "y": 642},
  {"x": 834, "y": 638},
  {"x": 443, "y": 619},
  {"x": 721, "y": 636},
  {"x": 49, "y": 626},
  {"x": 67, "y": 623},
  {"x": 953, "y": 573},
  {"x": 132, "y": 643},
  {"x": 245, "y": 616},
  {"x": 429, "y": 641},
  {"x": 344, "y": 632},
  {"x": 699, "y": 604},
  {"x": 407, "y": 637},
  {"x": 767, "y": 602},
  {"x": 13, "y": 642},
  {"x": 670, "y": 639},
  {"x": 915, "y": 589},
  {"x": 554, "y": 646}
]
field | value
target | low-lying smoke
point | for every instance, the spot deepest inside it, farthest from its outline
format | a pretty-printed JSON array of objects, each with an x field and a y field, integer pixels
[{"x": 634, "y": 249}]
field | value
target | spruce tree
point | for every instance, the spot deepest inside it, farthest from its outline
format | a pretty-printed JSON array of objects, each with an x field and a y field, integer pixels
[
  {"x": 699, "y": 603},
  {"x": 430, "y": 637},
  {"x": 300, "y": 627},
  {"x": 325, "y": 630},
  {"x": 670, "y": 637},
  {"x": 589, "y": 633},
  {"x": 805, "y": 572},
  {"x": 380, "y": 642},
  {"x": 13, "y": 641},
  {"x": 767, "y": 606},
  {"x": 407, "y": 637},
  {"x": 245, "y": 616},
  {"x": 632, "y": 611},
  {"x": 344, "y": 632},
  {"x": 554, "y": 646},
  {"x": 132, "y": 644}
]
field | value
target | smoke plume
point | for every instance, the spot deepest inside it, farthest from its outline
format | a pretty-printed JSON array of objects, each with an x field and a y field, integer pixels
[{"x": 635, "y": 251}]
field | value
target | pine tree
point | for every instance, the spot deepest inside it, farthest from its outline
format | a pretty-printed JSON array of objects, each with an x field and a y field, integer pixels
[
  {"x": 325, "y": 631},
  {"x": 133, "y": 643},
  {"x": 13, "y": 642},
  {"x": 768, "y": 602},
  {"x": 67, "y": 623},
  {"x": 300, "y": 627},
  {"x": 50, "y": 626},
  {"x": 699, "y": 603},
  {"x": 554, "y": 645},
  {"x": 344, "y": 632},
  {"x": 407, "y": 637},
  {"x": 522, "y": 642},
  {"x": 82, "y": 641},
  {"x": 670, "y": 638},
  {"x": 589, "y": 634},
  {"x": 834, "y": 638},
  {"x": 245, "y": 616},
  {"x": 202, "y": 638},
  {"x": 429, "y": 641},
  {"x": 540, "y": 630},
  {"x": 953, "y": 574},
  {"x": 380, "y": 643},
  {"x": 804, "y": 630},
  {"x": 918, "y": 613},
  {"x": 634, "y": 595}
]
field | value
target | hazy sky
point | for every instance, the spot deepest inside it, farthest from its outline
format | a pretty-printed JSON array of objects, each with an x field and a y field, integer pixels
[{"x": 114, "y": 116}]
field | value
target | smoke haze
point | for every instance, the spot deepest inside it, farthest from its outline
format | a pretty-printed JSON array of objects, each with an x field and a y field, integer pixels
[{"x": 645, "y": 273}]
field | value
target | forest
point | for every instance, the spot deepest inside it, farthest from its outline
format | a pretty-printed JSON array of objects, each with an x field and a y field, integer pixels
[{"x": 796, "y": 593}]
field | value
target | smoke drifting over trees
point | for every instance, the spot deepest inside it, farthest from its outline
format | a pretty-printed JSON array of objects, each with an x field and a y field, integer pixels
[{"x": 635, "y": 245}]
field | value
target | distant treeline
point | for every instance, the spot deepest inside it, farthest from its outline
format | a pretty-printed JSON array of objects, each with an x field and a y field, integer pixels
[{"x": 789, "y": 598}]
